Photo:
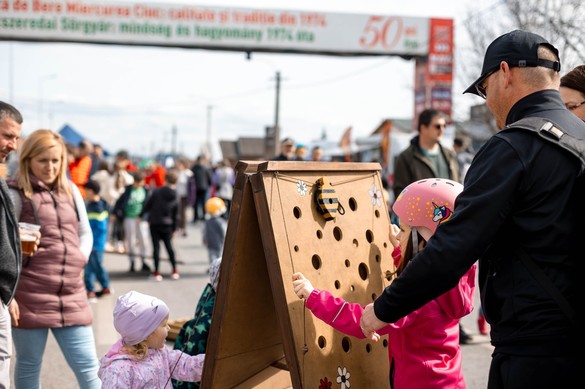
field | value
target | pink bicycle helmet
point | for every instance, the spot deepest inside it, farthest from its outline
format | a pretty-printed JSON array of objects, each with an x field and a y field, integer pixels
[{"x": 426, "y": 203}]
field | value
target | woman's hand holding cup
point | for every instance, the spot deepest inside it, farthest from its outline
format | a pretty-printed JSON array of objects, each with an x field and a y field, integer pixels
[{"x": 30, "y": 237}]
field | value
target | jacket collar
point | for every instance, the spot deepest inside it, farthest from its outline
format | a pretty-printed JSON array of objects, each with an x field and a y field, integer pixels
[{"x": 535, "y": 103}]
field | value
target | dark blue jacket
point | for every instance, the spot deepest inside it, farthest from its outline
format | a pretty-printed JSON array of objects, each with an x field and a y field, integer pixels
[{"x": 520, "y": 191}]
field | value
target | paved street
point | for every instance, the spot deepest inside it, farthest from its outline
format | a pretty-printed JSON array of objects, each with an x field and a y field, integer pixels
[{"x": 182, "y": 295}]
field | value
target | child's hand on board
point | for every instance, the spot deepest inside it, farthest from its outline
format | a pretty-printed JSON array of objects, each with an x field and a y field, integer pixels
[{"x": 303, "y": 287}]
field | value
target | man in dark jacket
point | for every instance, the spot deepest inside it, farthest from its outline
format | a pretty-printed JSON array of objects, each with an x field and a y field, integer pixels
[
  {"x": 162, "y": 209},
  {"x": 523, "y": 194},
  {"x": 10, "y": 125},
  {"x": 287, "y": 151},
  {"x": 202, "y": 177},
  {"x": 425, "y": 157}
]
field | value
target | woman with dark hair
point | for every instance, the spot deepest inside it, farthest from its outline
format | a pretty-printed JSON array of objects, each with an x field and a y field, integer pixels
[{"x": 573, "y": 91}]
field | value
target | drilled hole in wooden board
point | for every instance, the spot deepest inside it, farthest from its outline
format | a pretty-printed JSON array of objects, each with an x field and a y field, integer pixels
[
  {"x": 347, "y": 263},
  {"x": 322, "y": 342},
  {"x": 337, "y": 284},
  {"x": 316, "y": 262},
  {"x": 363, "y": 271},
  {"x": 337, "y": 234},
  {"x": 352, "y": 204},
  {"x": 374, "y": 296},
  {"x": 378, "y": 258},
  {"x": 296, "y": 248},
  {"x": 377, "y": 213},
  {"x": 346, "y": 344},
  {"x": 352, "y": 288},
  {"x": 368, "y": 348},
  {"x": 355, "y": 243},
  {"x": 385, "y": 343},
  {"x": 369, "y": 236},
  {"x": 319, "y": 234},
  {"x": 297, "y": 212}
]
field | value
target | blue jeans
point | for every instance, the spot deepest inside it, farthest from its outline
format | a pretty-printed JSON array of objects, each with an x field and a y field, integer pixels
[
  {"x": 77, "y": 345},
  {"x": 5, "y": 346},
  {"x": 95, "y": 269}
]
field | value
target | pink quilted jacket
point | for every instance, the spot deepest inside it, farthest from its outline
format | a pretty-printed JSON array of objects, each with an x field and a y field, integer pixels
[{"x": 51, "y": 292}]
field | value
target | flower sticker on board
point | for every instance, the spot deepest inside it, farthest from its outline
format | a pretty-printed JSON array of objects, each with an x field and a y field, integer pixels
[
  {"x": 324, "y": 383},
  {"x": 343, "y": 378},
  {"x": 301, "y": 188},
  {"x": 376, "y": 195}
]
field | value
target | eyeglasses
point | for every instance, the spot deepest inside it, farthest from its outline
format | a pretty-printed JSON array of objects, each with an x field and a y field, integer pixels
[
  {"x": 439, "y": 126},
  {"x": 481, "y": 87},
  {"x": 573, "y": 106}
]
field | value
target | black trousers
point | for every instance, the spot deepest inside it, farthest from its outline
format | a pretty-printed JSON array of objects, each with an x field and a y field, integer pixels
[
  {"x": 535, "y": 372},
  {"x": 164, "y": 233},
  {"x": 199, "y": 206}
]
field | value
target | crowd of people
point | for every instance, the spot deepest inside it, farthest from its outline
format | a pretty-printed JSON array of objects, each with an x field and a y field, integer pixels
[
  {"x": 517, "y": 213},
  {"x": 79, "y": 213}
]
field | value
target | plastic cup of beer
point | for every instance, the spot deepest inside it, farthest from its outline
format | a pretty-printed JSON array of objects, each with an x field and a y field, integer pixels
[{"x": 27, "y": 240}]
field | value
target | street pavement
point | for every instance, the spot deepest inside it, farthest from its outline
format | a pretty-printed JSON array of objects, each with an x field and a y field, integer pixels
[{"x": 182, "y": 295}]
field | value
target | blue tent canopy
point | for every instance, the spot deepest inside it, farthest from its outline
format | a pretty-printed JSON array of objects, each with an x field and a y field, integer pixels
[{"x": 70, "y": 135}]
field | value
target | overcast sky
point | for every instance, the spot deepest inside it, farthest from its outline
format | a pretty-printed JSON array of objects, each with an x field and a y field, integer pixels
[{"x": 131, "y": 97}]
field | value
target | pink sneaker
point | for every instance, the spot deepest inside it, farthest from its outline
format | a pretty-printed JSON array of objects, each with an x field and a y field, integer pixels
[
  {"x": 156, "y": 277},
  {"x": 175, "y": 276}
]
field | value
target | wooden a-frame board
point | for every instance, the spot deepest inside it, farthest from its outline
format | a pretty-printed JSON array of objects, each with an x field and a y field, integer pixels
[{"x": 261, "y": 335}]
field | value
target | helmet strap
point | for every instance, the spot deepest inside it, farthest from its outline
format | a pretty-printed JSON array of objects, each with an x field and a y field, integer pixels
[{"x": 414, "y": 236}]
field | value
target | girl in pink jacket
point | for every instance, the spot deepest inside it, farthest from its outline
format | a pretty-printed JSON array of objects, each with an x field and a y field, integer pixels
[
  {"x": 423, "y": 347},
  {"x": 140, "y": 359}
]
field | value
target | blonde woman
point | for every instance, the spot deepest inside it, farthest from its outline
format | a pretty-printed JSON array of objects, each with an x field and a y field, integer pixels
[{"x": 51, "y": 294}]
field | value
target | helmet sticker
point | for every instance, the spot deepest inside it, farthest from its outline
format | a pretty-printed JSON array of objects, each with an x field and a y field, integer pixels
[{"x": 441, "y": 213}]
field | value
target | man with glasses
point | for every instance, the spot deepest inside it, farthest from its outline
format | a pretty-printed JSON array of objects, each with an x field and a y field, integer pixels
[
  {"x": 521, "y": 213},
  {"x": 425, "y": 157}
]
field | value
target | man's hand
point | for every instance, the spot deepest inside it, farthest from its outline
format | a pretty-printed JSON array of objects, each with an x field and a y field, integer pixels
[
  {"x": 303, "y": 287},
  {"x": 14, "y": 312},
  {"x": 369, "y": 323}
]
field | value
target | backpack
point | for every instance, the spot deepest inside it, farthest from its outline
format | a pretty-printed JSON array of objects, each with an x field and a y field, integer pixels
[{"x": 551, "y": 132}]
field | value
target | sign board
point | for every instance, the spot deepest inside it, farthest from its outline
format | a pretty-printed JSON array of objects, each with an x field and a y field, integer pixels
[{"x": 219, "y": 28}]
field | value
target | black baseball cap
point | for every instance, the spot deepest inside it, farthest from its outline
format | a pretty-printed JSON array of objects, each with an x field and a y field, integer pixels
[{"x": 519, "y": 49}]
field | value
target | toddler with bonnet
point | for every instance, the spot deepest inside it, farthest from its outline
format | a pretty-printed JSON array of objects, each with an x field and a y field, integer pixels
[{"x": 140, "y": 358}]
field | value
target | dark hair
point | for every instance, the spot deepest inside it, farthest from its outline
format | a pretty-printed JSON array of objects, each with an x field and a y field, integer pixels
[
  {"x": 84, "y": 144},
  {"x": 8, "y": 111},
  {"x": 458, "y": 142},
  {"x": 93, "y": 186},
  {"x": 171, "y": 177},
  {"x": 426, "y": 117},
  {"x": 122, "y": 154},
  {"x": 408, "y": 252},
  {"x": 103, "y": 165},
  {"x": 575, "y": 79},
  {"x": 138, "y": 176}
]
